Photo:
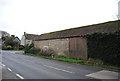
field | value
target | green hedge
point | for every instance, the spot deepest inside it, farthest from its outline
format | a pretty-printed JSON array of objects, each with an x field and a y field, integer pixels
[{"x": 104, "y": 46}]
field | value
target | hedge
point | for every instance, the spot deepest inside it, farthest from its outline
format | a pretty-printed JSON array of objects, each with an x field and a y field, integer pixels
[{"x": 104, "y": 46}]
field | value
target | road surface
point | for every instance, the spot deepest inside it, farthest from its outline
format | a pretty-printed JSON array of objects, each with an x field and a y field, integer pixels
[{"x": 29, "y": 67}]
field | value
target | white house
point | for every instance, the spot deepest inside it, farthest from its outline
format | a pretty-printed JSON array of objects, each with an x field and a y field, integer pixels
[{"x": 28, "y": 38}]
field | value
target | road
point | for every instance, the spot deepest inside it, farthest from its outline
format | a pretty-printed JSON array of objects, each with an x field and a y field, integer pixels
[{"x": 29, "y": 67}]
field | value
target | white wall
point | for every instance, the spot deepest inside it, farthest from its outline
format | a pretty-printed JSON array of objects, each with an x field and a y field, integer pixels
[
  {"x": 25, "y": 41},
  {"x": 22, "y": 40}
]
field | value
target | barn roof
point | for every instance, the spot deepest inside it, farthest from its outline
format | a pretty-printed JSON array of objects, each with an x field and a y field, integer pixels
[{"x": 111, "y": 26}]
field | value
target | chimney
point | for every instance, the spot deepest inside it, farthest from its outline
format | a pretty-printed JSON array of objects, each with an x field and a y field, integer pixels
[{"x": 24, "y": 33}]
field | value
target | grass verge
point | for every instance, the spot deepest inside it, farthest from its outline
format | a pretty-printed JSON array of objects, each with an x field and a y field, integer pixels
[{"x": 83, "y": 62}]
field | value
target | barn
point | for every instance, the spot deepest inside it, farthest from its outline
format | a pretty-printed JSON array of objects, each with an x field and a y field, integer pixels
[{"x": 70, "y": 42}]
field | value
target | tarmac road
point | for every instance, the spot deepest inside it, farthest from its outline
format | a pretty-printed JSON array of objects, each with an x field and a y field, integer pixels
[{"x": 29, "y": 67}]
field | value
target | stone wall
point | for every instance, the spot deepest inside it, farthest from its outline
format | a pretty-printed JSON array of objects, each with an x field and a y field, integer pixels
[
  {"x": 69, "y": 47},
  {"x": 60, "y": 46}
]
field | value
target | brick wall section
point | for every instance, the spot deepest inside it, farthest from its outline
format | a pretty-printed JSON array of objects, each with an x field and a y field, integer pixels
[{"x": 60, "y": 46}]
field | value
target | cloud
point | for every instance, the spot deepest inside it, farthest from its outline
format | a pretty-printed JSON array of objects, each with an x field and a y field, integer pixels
[{"x": 41, "y": 16}]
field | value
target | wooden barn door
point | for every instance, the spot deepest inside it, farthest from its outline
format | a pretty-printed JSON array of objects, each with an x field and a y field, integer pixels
[{"x": 78, "y": 48}]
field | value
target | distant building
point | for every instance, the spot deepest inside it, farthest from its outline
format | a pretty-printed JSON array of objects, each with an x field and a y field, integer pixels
[
  {"x": 28, "y": 38},
  {"x": 4, "y": 33},
  {"x": 16, "y": 39}
]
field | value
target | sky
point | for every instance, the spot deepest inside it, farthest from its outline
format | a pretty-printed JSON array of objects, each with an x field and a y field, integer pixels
[{"x": 43, "y": 16}]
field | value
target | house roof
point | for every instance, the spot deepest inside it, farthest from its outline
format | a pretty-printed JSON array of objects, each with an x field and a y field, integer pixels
[
  {"x": 111, "y": 26},
  {"x": 31, "y": 36},
  {"x": 17, "y": 39}
]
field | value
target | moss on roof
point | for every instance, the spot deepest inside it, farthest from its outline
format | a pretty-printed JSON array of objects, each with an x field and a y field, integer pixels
[
  {"x": 32, "y": 36},
  {"x": 110, "y": 26}
]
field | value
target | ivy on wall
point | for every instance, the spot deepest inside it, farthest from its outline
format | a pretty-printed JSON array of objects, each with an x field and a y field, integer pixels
[{"x": 104, "y": 46}]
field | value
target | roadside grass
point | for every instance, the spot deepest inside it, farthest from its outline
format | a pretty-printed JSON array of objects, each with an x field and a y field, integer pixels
[
  {"x": 69, "y": 60},
  {"x": 77, "y": 61}
]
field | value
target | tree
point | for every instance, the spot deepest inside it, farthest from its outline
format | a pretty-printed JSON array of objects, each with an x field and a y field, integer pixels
[{"x": 10, "y": 42}]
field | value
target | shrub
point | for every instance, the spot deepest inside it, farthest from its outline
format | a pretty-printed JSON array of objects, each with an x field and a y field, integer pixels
[
  {"x": 28, "y": 47},
  {"x": 21, "y": 47},
  {"x": 33, "y": 50},
  {"x": 48, "y": 52},
  {"x": 104, "y": 46},
  {"x": 9, "y": 47}
]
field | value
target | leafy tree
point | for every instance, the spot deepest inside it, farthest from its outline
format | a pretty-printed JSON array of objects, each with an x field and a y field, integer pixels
[{"x": 10, "y": 43}]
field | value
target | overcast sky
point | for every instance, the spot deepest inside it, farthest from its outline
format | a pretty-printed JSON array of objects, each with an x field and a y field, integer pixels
[{"x": 42, "y": 16}]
